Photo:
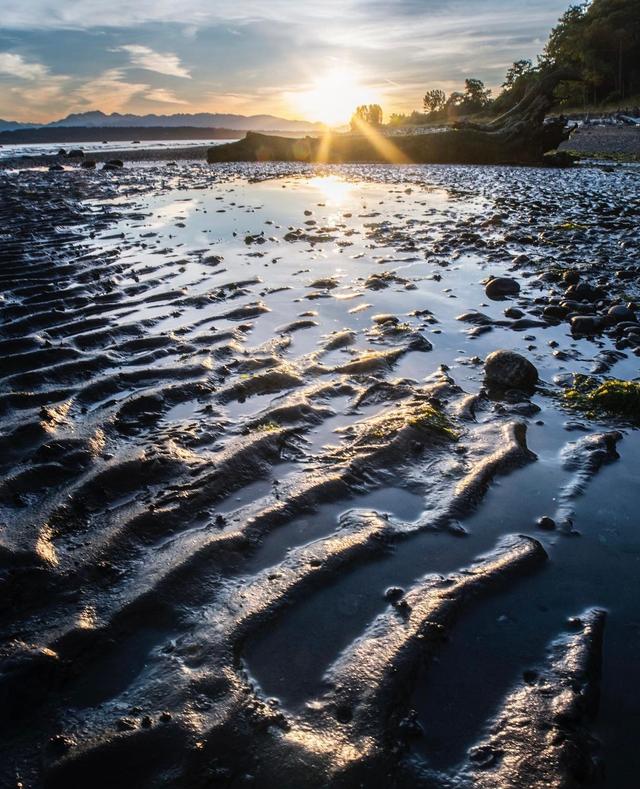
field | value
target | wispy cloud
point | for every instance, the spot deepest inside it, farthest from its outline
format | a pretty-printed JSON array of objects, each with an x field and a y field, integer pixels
[
  {"x": 164, "y": 96},
  {"x": 109, "y": 91},
  {"x": 15, "y": 65},
  {"x": 160, "y": 62}
]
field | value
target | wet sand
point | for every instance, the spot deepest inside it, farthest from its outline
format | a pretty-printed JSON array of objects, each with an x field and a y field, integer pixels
[{"x": 263, "y": 519}]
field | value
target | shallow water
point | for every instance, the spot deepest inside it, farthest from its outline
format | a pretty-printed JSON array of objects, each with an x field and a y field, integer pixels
[{"x": 199, "y": 275}]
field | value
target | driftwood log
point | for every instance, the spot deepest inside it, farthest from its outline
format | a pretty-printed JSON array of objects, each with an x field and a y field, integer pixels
[{"x": 519, "y": 136}]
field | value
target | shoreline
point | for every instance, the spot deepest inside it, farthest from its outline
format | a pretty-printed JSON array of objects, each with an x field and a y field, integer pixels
[{"x": 596, "y": 141}]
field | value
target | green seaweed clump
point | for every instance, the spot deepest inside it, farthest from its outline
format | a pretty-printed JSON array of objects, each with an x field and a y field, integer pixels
[
  {"x": 601, "y": 398},
  {"x": 427, "y": 417}
]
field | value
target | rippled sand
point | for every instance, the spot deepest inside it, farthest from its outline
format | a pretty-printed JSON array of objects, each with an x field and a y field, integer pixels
[{"x": 261, "y": 521}]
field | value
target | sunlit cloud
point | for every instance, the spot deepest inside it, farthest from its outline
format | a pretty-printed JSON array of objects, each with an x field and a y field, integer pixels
[
  {"x": 164, "y": 96},
  {"x": 16, "y": 66},
  {"x": 254, "y": 57},
  {"x": 160, "y": 62},
  {"x": 109, "y": 91}
]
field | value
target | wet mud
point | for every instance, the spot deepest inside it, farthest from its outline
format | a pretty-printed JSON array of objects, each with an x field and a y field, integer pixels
[{"x": 267, "y": 518}]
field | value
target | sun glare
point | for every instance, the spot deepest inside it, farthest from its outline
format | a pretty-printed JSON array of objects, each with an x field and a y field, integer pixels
[
  {"x": 335, "y": 191},
  {"x": 333, "y": 97}
]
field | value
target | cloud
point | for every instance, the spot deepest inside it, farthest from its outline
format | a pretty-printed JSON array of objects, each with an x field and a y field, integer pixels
[
  {"x": 164, "y": 96},
  {"x": 16, "y": 66},
  {"x": 160, "y": 62},
  {"x": 109, "y": 91},
  {"x": 238, "y": 50},
  {"x": 336, "y": 14}
]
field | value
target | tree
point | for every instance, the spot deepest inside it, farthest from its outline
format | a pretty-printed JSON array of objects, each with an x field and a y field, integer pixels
[
  {"x": 601, "y": 39},
  {"x": 397, "y": 119},
  {"x": 434, "y": 100},
  {"x": 519, "y": 71},
  {"x": 476, "y": 96},
  {"x": 375, "y": 115},
  {"x": 454, "y": 104},
  {"x": 370, "y": 114}
]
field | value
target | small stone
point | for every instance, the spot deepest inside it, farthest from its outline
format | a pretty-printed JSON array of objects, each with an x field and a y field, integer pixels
[
  {"x": 546, "y": 523},
  {"x": 571, "y": 277}
]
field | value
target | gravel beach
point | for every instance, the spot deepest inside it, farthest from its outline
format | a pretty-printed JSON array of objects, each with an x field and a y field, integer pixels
[{"x": 605, "y": 140}]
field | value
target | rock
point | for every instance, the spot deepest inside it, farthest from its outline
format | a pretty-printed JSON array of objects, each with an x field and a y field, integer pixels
[
  {"x": 56, "y": 168},
  {"x": 113, "y": 164},
  {"x": 571, "y": 277},
  {"x": 393, "y": 594},
  {"x": 76, "y": 153},
  {"x": 620, "y": 313},
  {"x": 555, "y": 312},
  {"x": 88, "y": 164},
  {"x": 526, "y": 323},
  {"x": 586, "y": 324},
  {"x": 583, "y": 291},
  {"x": 510, "y": 369},
  {"x": 548, "y": 276},
  {"x": 62, "y": 152},
  {"x": 546, "y": 523},
  {"x": 513, "y": 312},
  {"x": 501, "y": 287},
  {"x": 478, "y": 330},
  {"x": 479, "y": 318}
]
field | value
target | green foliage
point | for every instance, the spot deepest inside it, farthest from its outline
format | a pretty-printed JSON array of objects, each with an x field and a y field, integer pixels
[
  {"x": 601, "y": 39},
  {"x": 601, "y": 398}
]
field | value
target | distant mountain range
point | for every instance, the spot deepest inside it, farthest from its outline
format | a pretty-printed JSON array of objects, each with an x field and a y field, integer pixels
[{"x": 200, "y": 120}]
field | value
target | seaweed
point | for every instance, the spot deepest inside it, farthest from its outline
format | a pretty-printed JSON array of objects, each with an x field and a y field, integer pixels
[{"x": 611, "y": 397}]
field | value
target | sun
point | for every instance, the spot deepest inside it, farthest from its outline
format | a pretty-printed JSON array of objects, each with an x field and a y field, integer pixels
[{"x": 333, "y": 97}]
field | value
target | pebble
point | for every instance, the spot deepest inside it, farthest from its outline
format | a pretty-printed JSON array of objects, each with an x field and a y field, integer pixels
[{"x": 546, "y": 523}]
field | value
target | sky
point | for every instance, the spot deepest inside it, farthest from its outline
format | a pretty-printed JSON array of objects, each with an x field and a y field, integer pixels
[{"x": 292, "y": 58}]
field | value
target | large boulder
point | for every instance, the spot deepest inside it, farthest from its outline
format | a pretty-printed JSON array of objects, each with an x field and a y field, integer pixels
[{"x": 509, "y": 370}]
